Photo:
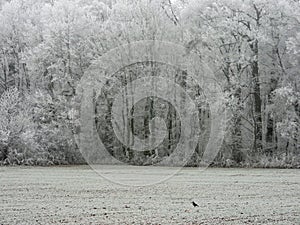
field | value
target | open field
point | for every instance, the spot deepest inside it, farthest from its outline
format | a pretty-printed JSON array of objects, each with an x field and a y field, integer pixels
[{"x": 78, "y": 195}]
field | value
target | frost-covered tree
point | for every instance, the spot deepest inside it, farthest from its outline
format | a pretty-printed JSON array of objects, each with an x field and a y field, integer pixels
[{"x": 247, "y": 44}]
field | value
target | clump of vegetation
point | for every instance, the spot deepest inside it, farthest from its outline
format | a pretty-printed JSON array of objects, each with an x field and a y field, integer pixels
[{"x": 33, "y": 131}]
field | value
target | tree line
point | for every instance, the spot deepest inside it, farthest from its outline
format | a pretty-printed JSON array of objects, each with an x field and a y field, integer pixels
[{"x": 253, "y": 47}]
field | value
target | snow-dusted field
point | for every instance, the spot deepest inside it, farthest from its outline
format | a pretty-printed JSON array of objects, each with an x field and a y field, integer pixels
[{"x": 78, "y": 195}]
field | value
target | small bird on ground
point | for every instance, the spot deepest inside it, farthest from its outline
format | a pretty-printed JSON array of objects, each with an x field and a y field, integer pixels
[{"x": 195, "y": 204}]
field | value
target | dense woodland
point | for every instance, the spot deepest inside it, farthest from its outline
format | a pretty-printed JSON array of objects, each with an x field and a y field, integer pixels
[{"x": 47, "y": 45}]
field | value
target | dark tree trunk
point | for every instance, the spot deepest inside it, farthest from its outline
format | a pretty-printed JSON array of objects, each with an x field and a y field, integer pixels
[{"x": 257, "y": 99}]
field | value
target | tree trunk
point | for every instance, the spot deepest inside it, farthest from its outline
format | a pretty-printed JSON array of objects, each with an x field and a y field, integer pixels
[{"x": 257, "y": 99}]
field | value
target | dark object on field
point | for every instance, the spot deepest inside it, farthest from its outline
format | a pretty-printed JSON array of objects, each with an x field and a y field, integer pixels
[{"x": 195, "y": 204}]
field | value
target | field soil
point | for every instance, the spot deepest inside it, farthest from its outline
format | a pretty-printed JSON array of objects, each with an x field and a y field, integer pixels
[{"x": 79, "y": 195}]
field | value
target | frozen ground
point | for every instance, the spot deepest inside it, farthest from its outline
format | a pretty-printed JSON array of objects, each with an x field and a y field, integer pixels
[{"x": 77, "y": 195}]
